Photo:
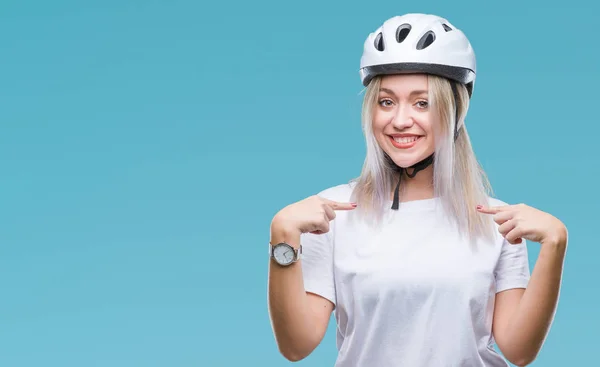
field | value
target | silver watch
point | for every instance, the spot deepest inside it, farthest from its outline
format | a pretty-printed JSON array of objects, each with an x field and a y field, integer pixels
[{"x": 285, "y": 254}]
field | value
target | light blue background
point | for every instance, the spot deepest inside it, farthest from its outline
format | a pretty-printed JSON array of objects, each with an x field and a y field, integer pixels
[{"x": 145, "y": 146}]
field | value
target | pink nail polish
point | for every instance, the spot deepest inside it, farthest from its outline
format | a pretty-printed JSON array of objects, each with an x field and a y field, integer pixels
[{"x": 479, "y": 207}]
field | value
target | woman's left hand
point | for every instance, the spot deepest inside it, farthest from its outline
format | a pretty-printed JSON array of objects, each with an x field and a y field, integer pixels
[{"x": 522, "y": 221}]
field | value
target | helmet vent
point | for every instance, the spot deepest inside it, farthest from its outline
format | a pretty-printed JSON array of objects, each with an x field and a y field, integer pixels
[
  {"x": 379, "y": 42},
  {"x": 426, "y": 40},
  {"x": 446, "y": 27},
  {"x": 402, "y": 32}
]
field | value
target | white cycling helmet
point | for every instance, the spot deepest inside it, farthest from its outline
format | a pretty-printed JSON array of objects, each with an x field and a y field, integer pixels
[{"x": 419, "y": 43}]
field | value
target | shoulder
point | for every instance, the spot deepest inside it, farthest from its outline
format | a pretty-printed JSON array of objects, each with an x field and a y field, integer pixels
[
  {"x": 341, "y": 193},
  {"x": 496, "y": 202}
]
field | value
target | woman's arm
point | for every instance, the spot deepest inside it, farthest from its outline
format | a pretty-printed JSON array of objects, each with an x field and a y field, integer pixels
[
  {"x": 300, "y": 304},
  {"x": 522, "y": 318},
  {"x": 299, "y": 319}
]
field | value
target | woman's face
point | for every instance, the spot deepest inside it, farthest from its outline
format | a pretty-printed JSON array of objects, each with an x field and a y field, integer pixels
[{"x": 402, "y": 121}]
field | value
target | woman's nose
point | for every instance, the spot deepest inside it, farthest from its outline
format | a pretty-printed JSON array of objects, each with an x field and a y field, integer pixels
[{"x": 403, "y": 119}]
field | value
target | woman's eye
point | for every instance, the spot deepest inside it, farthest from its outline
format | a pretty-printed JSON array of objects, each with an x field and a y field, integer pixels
[
  {"x": 385, "y": 103},
  {"x": 422, "y": 104}
]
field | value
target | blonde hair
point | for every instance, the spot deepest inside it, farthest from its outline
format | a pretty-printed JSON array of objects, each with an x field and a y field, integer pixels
[{"x": 458, "y": 180}]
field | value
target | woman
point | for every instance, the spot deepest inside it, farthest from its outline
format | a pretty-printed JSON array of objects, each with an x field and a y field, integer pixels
[{"x": 420, "y": 265}]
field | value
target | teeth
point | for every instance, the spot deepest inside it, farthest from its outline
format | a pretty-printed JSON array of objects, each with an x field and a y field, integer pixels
[{"x": 406, "y": 140}]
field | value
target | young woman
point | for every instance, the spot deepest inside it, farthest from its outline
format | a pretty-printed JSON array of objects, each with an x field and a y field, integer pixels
[{"x": 421, "y": 266}]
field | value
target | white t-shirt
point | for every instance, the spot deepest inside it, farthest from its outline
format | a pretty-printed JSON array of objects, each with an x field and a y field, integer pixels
[{"x": 412, "y": 294}]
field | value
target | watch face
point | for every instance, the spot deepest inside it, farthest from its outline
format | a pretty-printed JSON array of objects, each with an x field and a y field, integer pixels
[{"x": 283, "y": 253}]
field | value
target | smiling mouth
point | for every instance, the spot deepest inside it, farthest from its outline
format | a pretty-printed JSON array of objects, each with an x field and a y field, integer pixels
[
  {"x": 404, "y": 142},
  {"x": 405, "y": 139}
]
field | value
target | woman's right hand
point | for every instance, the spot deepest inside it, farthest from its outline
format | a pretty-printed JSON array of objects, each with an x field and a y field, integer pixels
[{"x": 310, "y": 215}]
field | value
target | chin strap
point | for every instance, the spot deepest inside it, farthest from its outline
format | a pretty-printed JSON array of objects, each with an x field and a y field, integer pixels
[
  {"x": 455, "y": 92},
  {"x": 416, "y": 168},
  {"x": 419, "y": 166}
]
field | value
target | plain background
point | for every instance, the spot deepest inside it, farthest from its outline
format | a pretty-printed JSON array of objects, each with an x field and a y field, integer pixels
[{"x": 146, "y": 145}]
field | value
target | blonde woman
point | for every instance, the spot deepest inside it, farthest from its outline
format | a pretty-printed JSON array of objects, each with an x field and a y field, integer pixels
[{"x": 420, "y": 265}]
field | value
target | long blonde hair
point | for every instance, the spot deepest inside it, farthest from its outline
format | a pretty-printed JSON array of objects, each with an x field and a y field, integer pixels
[{"x": 458, "y": 179}]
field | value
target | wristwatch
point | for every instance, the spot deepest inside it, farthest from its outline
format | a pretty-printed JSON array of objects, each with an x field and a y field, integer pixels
[{"x": 285, "y": 254}]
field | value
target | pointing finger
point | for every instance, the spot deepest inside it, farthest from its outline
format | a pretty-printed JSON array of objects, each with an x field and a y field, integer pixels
[
  {"x": 490, "y": 210},
  {"x": 341, "y": 206}
]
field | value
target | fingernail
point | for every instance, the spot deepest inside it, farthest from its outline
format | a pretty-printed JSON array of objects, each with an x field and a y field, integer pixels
[
  {"x": 354, "y": 204},
  {"x": 479, "y": 207}
]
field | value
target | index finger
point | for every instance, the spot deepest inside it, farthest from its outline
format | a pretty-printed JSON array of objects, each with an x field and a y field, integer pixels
[
  {"x": 491, "y": 209},
  {"x": 335, "y": 205}
]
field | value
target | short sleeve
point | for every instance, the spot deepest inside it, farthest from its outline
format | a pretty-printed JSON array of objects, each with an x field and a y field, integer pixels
[
  {"x": 318, "y": 249},
  {"x": 512, "y": 269},
  {"x": 317, "y": 265}
]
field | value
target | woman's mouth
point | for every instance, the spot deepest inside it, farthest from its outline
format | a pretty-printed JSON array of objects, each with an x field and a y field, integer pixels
[{"x": 404, "y": 142}]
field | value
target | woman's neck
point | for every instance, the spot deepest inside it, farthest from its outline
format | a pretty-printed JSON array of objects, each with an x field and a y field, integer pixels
[{"x": 419, "y": 187}]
